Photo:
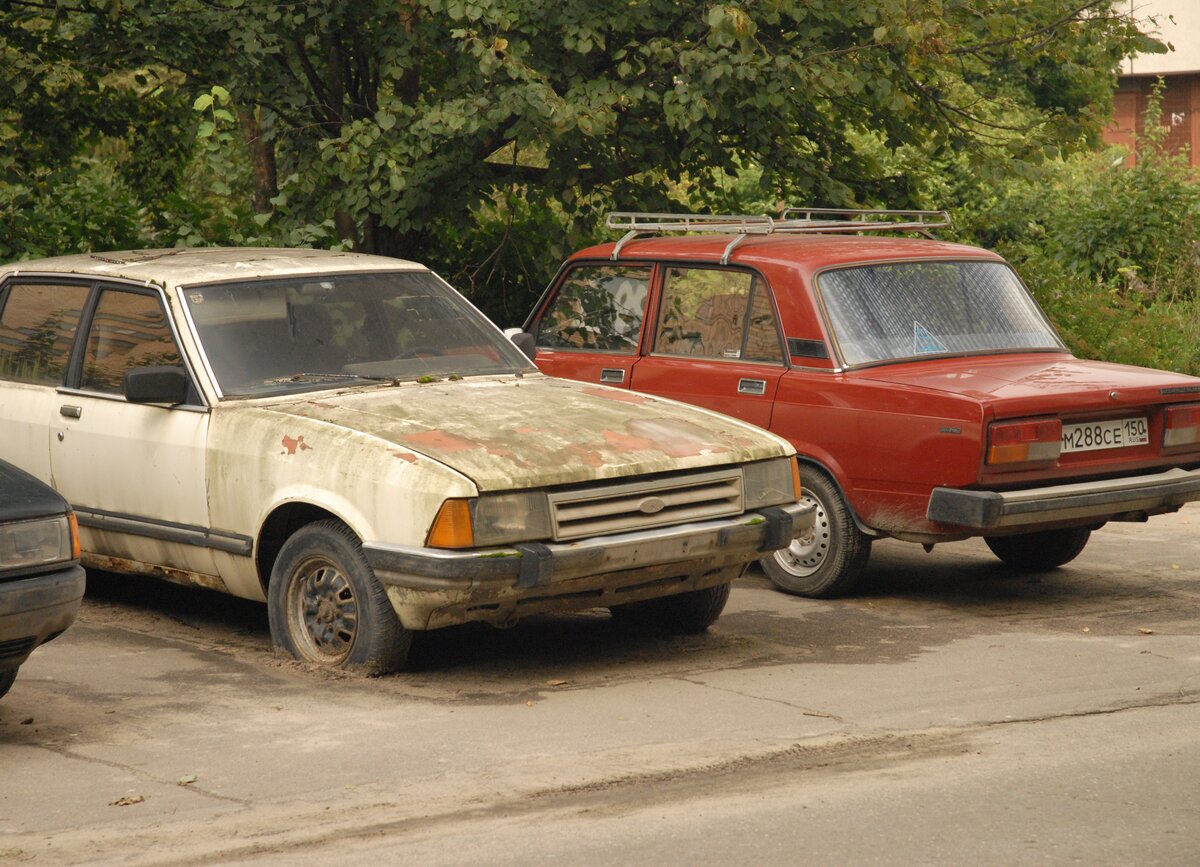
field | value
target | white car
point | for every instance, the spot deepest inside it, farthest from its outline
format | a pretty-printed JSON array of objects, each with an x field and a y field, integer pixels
[{"x": 346, "y": 438}]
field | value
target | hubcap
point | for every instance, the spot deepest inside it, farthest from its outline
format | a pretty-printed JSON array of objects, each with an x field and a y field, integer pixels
[
  {"x": 323, "y": 612},
  {"x": 806, "y": 554}
]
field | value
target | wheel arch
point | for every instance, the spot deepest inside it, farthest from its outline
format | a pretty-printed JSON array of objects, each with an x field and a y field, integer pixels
[
  {"x": 282, "y": 522},
  {"x": 819, "y": 465}
]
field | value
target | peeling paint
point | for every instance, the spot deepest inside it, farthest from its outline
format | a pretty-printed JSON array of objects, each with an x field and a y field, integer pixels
[
  {"x": 628, "y": 443},
  {"x": 676, "y": 438},
  {"x": 405, "y": 456},
  {"x": 442, "y": 442},
  {"x": 619, "y": 395},
  {"x": 291, "y": 446}
]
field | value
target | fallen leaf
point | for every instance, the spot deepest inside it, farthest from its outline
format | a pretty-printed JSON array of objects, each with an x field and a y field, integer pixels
[
  {"x": 1087, "y": 629},
  {"x": 127, "y": 800},
  {"x": 28, "y": 721},
  {"x": 557, "y": 682},
  {"x": 528, "y": 704},
  {"x": 1145, "y": 631},
  {"x": 186, "y": 780}
]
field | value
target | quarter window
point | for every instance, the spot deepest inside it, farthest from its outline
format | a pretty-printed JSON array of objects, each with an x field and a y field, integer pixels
[
  {"x": 128, "y": 330},
  {"x": 598, "y": 307},
  {"x": 708, "y": 313},
  {"x": 37, "y": 326}
]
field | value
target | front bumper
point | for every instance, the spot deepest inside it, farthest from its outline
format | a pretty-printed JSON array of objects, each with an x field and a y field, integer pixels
[
  {"x": 431, "y": 587},
  {"x": 33, "y": 610},
  {"x": 1102, "y": 500}
]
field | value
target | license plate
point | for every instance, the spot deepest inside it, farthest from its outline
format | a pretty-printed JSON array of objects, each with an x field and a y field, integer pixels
[{"x": 1094, "y": 435}]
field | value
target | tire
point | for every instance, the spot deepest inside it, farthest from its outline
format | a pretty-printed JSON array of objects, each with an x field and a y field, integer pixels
[
  {"x": 1039, "y": 551},
  {"x": 687, "y": 613},
  {"x": 327, "y": 607},
  {"x": 832, "y": 561},
  {"x": 6, "y": 680}
]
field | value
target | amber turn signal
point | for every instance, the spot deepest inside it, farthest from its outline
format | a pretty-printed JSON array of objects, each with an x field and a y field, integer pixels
[
  {"x": 74, "y": 522},
  {"x": 1024, "y": 442},
  {"x": 796, "y": 478},
  {"x": 452, "y": 526}
]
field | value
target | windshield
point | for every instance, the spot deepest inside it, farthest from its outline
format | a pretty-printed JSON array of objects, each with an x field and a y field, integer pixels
[
  {"x": 271, "y": 336},
  {"x": 916, "y": 309}
]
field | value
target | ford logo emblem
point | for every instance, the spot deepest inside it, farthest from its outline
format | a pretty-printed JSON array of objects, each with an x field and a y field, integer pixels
[{"x": 651, "y": 505}]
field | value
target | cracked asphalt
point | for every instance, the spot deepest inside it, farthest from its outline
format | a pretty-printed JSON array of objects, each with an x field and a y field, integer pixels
[{"x": 954, "y": 712}]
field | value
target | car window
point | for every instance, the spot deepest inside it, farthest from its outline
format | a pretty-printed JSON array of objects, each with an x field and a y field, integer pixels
[
  {"x": 128, "y": 330},
  {"x": 597, "y": 307},
  {"x": 37, "y": 326},
  {"x": 272, "y": 336},
  {"x": 710, "y": 313},
  {"x": 912, "y": 309}
]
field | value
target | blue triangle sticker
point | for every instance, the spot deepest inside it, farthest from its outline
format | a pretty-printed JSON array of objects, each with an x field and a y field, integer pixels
[{"x": 924, "y": 341}]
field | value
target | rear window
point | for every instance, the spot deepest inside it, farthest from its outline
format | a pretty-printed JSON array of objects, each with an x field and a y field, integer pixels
[{"x": 907, "y": 310}]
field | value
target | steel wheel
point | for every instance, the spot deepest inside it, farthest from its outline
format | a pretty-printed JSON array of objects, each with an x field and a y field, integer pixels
[
  {"x": 323, "y": 611},
  {"x": 829, "y": 562}
]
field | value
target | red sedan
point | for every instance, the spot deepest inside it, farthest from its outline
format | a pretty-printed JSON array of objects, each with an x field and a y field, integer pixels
[{"x": 926, "y": 393}]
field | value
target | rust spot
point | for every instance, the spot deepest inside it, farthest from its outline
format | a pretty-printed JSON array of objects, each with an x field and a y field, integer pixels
[
  {"x": 589, "y": 457},
  {"x": 676, "y": 439},
  {"x": 627, "y": 443},
  {"x": 618, "y": 395},
  {"x": 443, "y": 442},
  {"x": 405, "y": 456},
  {"x": 291, "y": 446}
]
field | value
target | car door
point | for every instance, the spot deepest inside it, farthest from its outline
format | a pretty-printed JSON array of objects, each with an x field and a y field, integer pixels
[
  {"x": 38, "y": 320},
  {"x": 591, "y": 328},
  {"x": 715, "y": 343},
  {"x": 135, "y": 473}
]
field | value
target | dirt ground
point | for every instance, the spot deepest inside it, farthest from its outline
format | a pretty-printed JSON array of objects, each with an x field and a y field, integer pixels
[{"x": 954, "y": 710}]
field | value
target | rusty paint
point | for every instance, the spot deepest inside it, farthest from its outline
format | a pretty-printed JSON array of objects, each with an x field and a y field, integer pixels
[
  {"x": 589, "y": 457},
  {"x": 291, "y": 446},
  {"x": 175, "y": 576},
  {"x": 676, "y": 438},
  {"x": 405, "y": 456},
  {"x": 618, "y": 395},
  {"x": 628, "y": 443},
  {"x": 443, "y": 442}
]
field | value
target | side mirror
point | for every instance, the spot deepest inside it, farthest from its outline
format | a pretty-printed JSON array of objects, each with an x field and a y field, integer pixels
[
  {"x": 161, "y": 384},
  {"x": 523, "y": 341}
]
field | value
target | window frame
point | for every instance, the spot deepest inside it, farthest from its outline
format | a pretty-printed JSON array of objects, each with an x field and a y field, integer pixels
[
  {"x": 31, "y": 279},
  {"x": 652, "y": 280}
]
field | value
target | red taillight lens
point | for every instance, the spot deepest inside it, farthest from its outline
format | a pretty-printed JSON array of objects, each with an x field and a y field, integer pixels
[
  {"x": 1023, "y": 442},
  {"x": 1181, "y": 426}
]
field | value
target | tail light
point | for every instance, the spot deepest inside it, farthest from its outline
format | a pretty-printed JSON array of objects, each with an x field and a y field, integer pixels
[
  {"x": 1181, "y": 426},
  {"x": 1024, "y": 442}
]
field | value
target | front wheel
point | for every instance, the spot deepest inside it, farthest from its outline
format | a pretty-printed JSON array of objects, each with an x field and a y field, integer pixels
[
  {"x": 1038, "y": 551},
  {"x": 831, "y": 561},
  {"x": 687, "y": 613},
  {"x": 327, "y": 607},
  {"x": 6, "y": 680}
]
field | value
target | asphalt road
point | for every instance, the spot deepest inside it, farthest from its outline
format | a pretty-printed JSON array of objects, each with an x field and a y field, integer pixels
[{"x": 953, "y": 713}]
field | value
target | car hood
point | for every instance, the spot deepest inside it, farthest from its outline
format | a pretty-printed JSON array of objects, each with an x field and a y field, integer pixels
[
  {"x": 22, "y": 496},
  {"x": 1038, "y": 382},
  {"x": 511, "y": 433}
]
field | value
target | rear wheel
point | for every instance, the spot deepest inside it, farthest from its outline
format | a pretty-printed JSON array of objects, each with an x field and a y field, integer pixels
[
  {"x": 687, "y": 613},
  {"x": 831, "y": 561},
  {"x": 6, "y": 680},
  {"x": 327, "y": 607},
  {"x": 1043, "y": 550}
]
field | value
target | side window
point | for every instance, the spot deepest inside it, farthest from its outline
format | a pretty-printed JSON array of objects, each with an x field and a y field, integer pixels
[
  {"x": 128, "y": 330},
  {"x": 707, "y": 313},
  {"x": 597, "y": 307},
  {"x": 37, "y": 326}
]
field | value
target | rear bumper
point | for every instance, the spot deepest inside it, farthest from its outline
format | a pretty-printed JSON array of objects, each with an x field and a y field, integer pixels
[
  {"x": 34, "y": 610},
  {"x": 431, "y": 587},
  {"x": 1103, "y": 500}
]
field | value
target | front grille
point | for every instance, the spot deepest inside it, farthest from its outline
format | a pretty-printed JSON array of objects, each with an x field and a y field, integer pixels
[
  {"x": 620, "y": 508},
  {"x": 17, "y": 649}
]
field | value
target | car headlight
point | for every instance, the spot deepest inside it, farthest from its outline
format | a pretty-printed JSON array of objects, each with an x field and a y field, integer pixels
[
  {"x": 770, "y": 483},
  {"x": 27, "y": 544},
  {"x": 491, "y": 519}
]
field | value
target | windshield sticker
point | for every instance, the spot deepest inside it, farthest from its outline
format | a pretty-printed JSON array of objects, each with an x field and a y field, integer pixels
[{"x": 924, "y": 341}]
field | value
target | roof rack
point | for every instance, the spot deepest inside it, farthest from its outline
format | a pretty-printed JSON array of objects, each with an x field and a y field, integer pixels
[{"x": 794, "y": 220}]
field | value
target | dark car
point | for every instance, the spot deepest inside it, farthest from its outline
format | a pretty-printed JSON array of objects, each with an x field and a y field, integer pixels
[
  {"x": 927, "y": 396},
  {"x": 41, "y": 581}
]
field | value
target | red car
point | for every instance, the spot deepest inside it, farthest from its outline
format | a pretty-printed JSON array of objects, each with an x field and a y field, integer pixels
[{"x": 928, "y": 396}]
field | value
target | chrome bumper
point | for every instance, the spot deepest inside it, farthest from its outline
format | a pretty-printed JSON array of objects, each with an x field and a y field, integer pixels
[
  {"x": 1105, "y": 500},
  {"x": 433, "y": 587}
]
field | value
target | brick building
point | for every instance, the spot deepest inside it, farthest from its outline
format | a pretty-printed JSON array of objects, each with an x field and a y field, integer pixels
[{"x": 1178, "y": 23}]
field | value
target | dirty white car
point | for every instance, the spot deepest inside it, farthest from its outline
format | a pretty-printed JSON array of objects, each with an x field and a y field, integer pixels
[{"x": 346, "y": 438}]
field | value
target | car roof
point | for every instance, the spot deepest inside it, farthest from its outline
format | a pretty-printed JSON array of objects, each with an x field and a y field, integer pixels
[
  {"x": 813, "y": 251},
  {"x": 188, "y": 266},
  {"x": 22, "y": 496}
]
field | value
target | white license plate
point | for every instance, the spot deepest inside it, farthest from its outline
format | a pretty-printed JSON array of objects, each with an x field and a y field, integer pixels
[{"x": 1094, "y": 435}]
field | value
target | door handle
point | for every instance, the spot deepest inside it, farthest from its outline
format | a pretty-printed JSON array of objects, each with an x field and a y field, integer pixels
[
  {"x": 752, "y": 386},
  {"x": 612, "y": 374},
  {"x": 69, "y": 411}
]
